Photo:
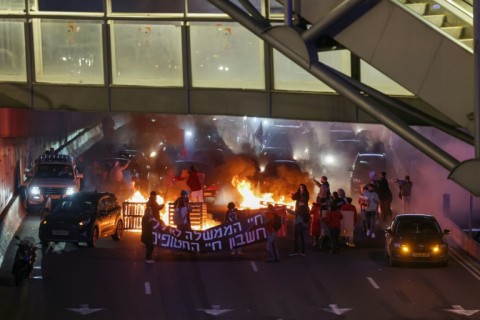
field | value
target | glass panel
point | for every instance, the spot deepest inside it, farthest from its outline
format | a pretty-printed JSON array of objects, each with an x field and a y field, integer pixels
[
  {"x": 276, "y": 9},
  {"x": 12, "y": 51},
  {"x": 71, "y": 5},
  {"x": 147, "y": 53},
  {"x": 202, "y": 6},
  {"x": 68, "y": 51},
  {"x": 148, "y": 6},
  {"x": 12, "y": 5},
  {"x": 289, "y": 76},
  {"x": 377, "y": 80},
  {"x": 226, "y": 55}
]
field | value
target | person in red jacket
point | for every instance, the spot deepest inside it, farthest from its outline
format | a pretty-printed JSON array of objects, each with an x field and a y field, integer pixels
[
  {"x": 332, "y": 220},
  {"x": 195, "y": 183}
]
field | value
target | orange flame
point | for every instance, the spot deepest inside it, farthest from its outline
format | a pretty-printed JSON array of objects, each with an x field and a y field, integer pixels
[{"x": 253, "y": 200}]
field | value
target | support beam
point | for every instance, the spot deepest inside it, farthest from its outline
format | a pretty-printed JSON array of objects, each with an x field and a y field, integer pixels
[
  {"x": 406, "y": 109},
  {"x": 322, "y": 27},
  {"x": 280, "y": 39}
]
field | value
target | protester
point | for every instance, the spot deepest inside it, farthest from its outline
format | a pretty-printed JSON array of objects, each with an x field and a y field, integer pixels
[
  {"x": 350, "y": 229},
  {"x": 405, "y": 193},
  {"x": 332, "y": 219},
  {"x": 385, "y": 196},
  {"x": 230, "y": 217},
  {"x": 195, "y": 183},
  {"x": 371, "y": 209},
  {"x": 116, "y": 173},
  {"x": 324, "y": 192},
  {"x": 182, "y": 205},
  {"x": 302, "y": 219},
  {"x": 363, "y": 203},
  {"x": 315, "y": 225},
  {"x": 154, "y": 205},
  {"x": 337, "y": 199},
  {"x": 272, "y": 248},
  {"x": 148, "y": 222},
  {"x": 325, "y": 232}
]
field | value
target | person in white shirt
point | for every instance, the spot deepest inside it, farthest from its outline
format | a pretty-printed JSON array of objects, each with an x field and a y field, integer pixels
[{"x": 371, "y": 209}]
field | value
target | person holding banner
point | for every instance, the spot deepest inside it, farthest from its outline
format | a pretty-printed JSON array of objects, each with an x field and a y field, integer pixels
[
  {"x": 148, "y": 222},
  {"x": 230, "y": 217},
  {"x": 272, "y": 248}
]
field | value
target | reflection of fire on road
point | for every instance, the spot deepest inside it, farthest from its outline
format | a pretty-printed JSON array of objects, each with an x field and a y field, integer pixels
[{"x": 134, "y": 206}]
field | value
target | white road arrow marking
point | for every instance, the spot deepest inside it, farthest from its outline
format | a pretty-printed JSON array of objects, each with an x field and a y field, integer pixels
[
  {"x": 215, "y": 310},
  {"x": 84, "y": 309},
  {"x": 461, "y": 311},
  {"x": 336, "y": 310}
]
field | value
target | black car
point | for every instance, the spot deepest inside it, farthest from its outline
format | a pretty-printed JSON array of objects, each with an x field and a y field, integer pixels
[
  {"x": 82, "y": 217},
  {"x": 416, "y": 238}
]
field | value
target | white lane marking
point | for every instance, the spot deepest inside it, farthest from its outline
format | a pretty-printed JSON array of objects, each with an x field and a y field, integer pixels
[
  {"x": 458, "y": 309},
  {"x": 465, "y": 264},
  {"x": 373, "y": 283},
  {"x": 254, "y": 266},
  {"x": 215, "y": 310},
  {"x": 85, "y": 309},
  {"x": 333, "y": 308},
  {"x": 147, "y": 288}
]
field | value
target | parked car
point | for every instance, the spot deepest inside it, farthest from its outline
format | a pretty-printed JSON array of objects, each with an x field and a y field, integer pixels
[
  {"x": 85, "y": 216},
  {"x": 416, "y": 238},
  {"x": 281, "y": 177},
  {"x": 363, "y": 165}
]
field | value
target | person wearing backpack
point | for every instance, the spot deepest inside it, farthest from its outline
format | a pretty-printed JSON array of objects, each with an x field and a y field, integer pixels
[
  {"x": 181, "y": 215},
  {"x": 272, "y": 225},
  {"x": 232, "y": 216}
]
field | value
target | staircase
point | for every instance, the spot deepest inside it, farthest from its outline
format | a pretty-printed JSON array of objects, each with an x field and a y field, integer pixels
[{"x": 443, "y": 19}]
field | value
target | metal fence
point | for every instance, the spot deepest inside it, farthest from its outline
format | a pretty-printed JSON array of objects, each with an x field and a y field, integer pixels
[
  {"x": 133, "y": 213},
  {"x": 198, "y": 215}
]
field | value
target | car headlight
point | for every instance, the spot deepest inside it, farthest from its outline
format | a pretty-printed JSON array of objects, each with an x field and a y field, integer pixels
[
  {"x": 329, "y": 159},
  {"x": 70, "y": 190},
  {"x": 84, "y": 222},
  {"x": 35, "y": 191},
  {"x": 438, "y": 248},
  {"x": 403, "y": 248}
]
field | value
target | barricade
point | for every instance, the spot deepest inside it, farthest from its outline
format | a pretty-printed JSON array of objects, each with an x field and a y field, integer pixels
[
  {"x": 198, "y": 215},
  {"x": 132, "y": 214}
]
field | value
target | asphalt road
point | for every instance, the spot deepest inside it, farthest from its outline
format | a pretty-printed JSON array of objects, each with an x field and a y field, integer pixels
[{"x": 112, "y": 281}]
